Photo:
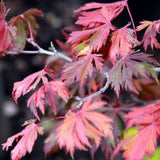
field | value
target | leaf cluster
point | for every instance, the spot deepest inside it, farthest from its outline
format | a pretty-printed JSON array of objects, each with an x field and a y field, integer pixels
[{"x": 103, "y": 85}]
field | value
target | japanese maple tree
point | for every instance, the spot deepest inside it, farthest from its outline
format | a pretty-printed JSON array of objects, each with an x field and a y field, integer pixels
[{"x": 84, "y": 88}]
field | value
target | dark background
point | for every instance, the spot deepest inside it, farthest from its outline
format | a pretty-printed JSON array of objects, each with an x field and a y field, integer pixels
[{"x": 57, "y": 14}]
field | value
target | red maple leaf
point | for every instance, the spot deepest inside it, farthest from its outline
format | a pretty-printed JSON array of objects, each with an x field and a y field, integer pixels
[
  {"x": 47, "y": 94},
  {"x": 27, "y": 84},
  {"x": 26, "y": 143},
  {"x": 116, "y": 6},
  {"x": 96, "y": 23},
  {"x": 147, "y": 119},
  {"x": 7, "y": 32},
  {"x": 121, "y": 75},
  {"x": 144, "y": 141},
  {"x": 122, "y": 43},
  {"x": 83, "y": 67},
  {"x": 149, "y": 37},
  {"x": 82, "y": 125},
  {"x": 143, "y": 116}
]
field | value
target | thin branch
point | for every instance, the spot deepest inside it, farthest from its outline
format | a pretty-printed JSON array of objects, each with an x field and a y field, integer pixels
[
  {"x": 22, "y": 52},
  {"x": 130, "y": 15},
  {"x": 30, "y": 28},
  {"x": 51, "y": 119},
  {"x": 41, "y": 51},
  {"x": 102, "y": 90}
]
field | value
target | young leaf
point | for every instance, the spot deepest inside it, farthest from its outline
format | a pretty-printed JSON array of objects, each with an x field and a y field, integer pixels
[
  {"x": 27, "y": 84},
  {"x": 47, "y": 94},
  {"x": 30, "y": 16},
  {"x": 26, "y": 143},
  {"x": 122, "y": 73},
  {"x": 82, "y": 68},
  {"x": 149, "y": 37},
  {"x": 82, "y": 125},
  {"x": 22, "y": 22}
]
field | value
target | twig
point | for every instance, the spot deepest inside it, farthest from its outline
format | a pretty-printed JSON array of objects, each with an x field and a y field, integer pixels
[
  {"x": 51, "y": 119},
  {"x": 40, "y": 50},
  {"x": 102, "y": 90}
]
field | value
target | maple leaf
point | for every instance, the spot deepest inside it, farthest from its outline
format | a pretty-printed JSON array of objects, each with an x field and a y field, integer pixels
[
  {"x": 79, "y": 126},
  {"x": 26, "y": 143},
  {"x": 47, "y": 94},
  {"x": 144, "y": 140},
  {"x": 116, "y": 6},
  {"x": 122, "y": 73},
  {"x": 37, "y": 100},
  {"x": 96, "y": 23},
  {"x": 149, "y": 37},
  {"x": 147, "y": 119},
  {"x": 27, "y": 84},
  {"x": 22, "y": 22},
  {"x": 122, "y": 43},
  {"x": 143, "y": 116},
  {"x": 7, "y": 32},
  {"x": 82, "y": 68}
]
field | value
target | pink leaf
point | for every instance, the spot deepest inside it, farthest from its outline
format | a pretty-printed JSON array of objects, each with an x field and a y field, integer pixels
[
  {"x": 122, "y": 43},
  {"x": 96, "y": 24},
  {"x": 149, "y": 37},
  {"x": 82, "y": 68},
  {"x": 26, "y": 143},
  {"x": 27, "y": 84},
  {"x": 82, "y": 125},
  {"x": 47, "y": 94}
]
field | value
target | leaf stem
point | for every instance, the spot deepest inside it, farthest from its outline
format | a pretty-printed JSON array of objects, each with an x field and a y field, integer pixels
[
  {"x": 102, "y": 90},
  {"x": 132, "y": 21},
  {"x": 51, "y": 119}
]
